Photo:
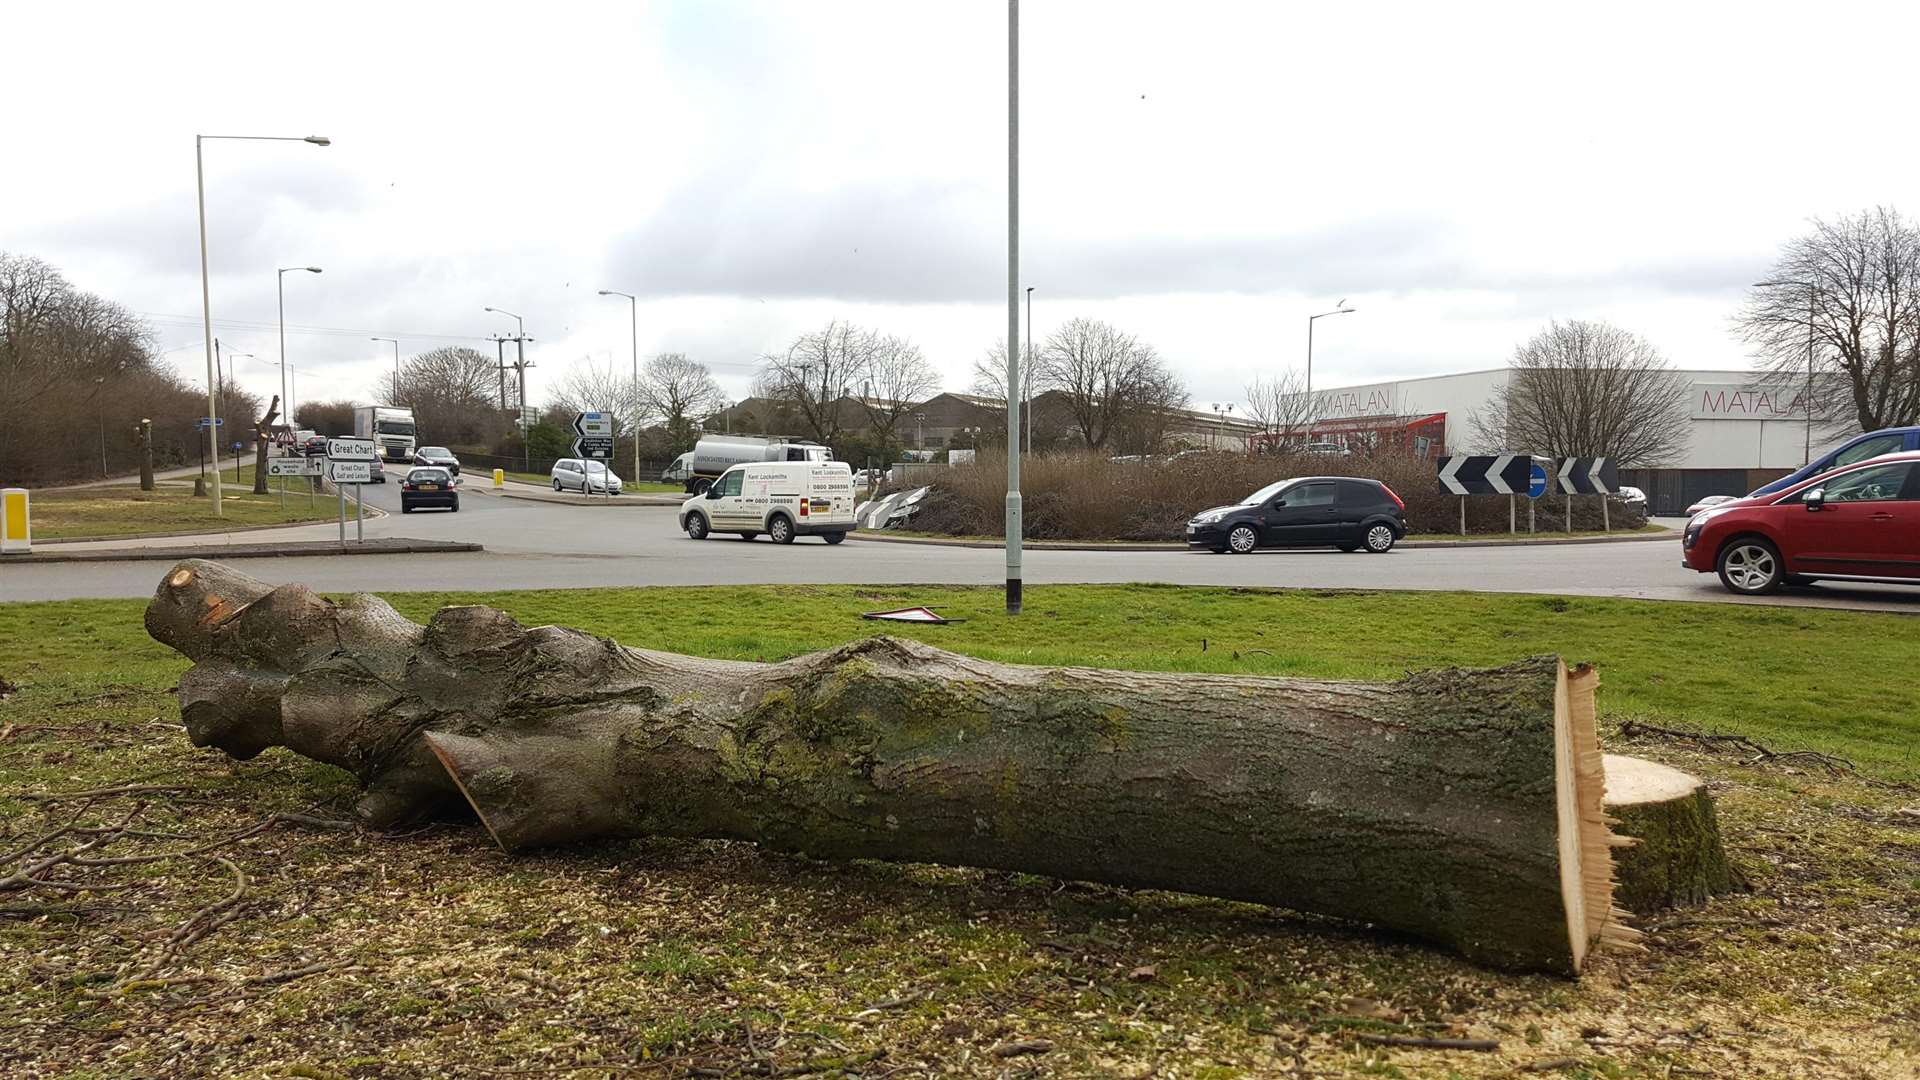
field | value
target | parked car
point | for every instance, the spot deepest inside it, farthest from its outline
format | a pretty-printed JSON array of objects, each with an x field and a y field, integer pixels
[
  {"x": 1346, "y": 512},
  {"x": 426, "y": 486},
  {"x": 1709, "y": 501},
  {"x": 585, "y": 476},
  {"x": 1858, "y": 523},
  {"x": 1632, "y": 496},
  {"x": 316, "y": 446},
  {"x": 784, "y": 499},
  {"x": 1857, "y": 449},
  {"x": 437, "y": 456}
]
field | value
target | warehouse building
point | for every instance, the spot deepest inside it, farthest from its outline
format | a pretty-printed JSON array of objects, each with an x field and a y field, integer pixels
[{"x": 1744, "y": 431}]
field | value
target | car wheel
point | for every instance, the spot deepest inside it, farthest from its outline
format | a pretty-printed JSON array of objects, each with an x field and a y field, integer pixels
[
  {"x": 1751, "y": 566},
  {"x": 405, "y": 509},
  {"x": 697, "y": 526},
  {"x": 1242, "y": 539},
  {"x": 556, "y": 483},
  {"x": 833, "y": 538},
  {"x": 749, "y": 536},
  {"x": 456, "y": 506},
  {"x": 1380, "y": 539},
  {"x": 780, "y": 530}
]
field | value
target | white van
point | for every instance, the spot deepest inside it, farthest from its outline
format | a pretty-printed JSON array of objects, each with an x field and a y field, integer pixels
[{"x": 783, "y": 499}]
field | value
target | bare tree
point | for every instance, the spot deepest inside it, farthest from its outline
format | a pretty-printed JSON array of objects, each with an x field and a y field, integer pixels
[
  {"x": 1851, "y": 288},
  {"x": 1281, "y": 406},
  {"x": 816, "y": 371},
  {"x": 1107, "y": 377},
  {"x": 896, "y": 378},
  {"x": 453, "y": 394},
  {"x": 589, "y": 388},
  {"x": 676, "y": 391},
  {"x": 1588, "y": 389}
]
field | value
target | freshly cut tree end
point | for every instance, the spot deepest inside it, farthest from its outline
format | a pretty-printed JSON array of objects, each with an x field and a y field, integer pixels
[
  {"x": 1586, "y": 835},
  {"x": 1678, "y": 860}
]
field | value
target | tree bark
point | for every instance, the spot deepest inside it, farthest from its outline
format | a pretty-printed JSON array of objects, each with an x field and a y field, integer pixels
[
  {"x": 1677, "y": 859},
  {"x": 1460, "y": 806}
]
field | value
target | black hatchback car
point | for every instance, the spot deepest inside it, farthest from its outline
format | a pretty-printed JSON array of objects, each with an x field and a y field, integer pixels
[
  {"x": 429, "y": 487},
  {"x": 1345, "y": 512}
]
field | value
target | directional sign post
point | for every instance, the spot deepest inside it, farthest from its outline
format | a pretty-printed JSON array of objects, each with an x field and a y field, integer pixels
[
  {"x": 593, "y": 440},
  {"x": 284, "y": 467},
  {"x": 351, "y": 461},
  {"x": 1498, "y": 474},
  {"x": 1589, "y": 476}
]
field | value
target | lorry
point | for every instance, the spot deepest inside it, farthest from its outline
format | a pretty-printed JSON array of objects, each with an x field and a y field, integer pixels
[
  {"x": 783, "y": 499},
  {"x": 391, "y": 429},
  {"x": 715, "y": 454}
]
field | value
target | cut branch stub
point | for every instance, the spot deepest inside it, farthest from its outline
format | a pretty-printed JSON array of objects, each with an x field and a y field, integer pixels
[
  {"x": 1677, "y": 859},
  {"x": 1461, "y": 806}
]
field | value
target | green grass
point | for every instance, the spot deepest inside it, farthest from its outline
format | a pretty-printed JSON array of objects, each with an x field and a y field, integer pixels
[
  {"x": 1795, "y": 678},
  {"x": 125, "y": 510},
  {"x": 440, "y": 955}
]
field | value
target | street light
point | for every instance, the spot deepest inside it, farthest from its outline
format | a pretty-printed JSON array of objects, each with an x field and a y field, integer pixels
[
  {"x": 206, "y": 292},
  {"x": 1813, "y": 294},
  {"x": 396, "y": 363},
  {"x": 520, "y": 369},
  {"x": 633, "y": 320},
  {"x": 1013, "y": 509},
  {"x": 280, "y": 287},
  {"x": 1340, "y": 308}
]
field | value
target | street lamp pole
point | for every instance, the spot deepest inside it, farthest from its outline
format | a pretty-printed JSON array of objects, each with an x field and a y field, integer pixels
[
  {"x": 395, "y": 342},
  {"x": 633, "y": 328},
  {"x": 1340, "y": 308},
  {"x": 1813, "y": 294},
  {"x": 520, "y": 369},
  {"x": 280, "y": 286},
  {"x": 1026, "y": 392},
  {"x": 1013, "y": 525},
  {"x": 206, "y": 292}
]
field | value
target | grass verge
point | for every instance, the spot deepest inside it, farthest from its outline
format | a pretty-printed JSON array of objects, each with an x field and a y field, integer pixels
[
  {"x": 125, "y": 510},
  {"x": 431, "y": 953}
]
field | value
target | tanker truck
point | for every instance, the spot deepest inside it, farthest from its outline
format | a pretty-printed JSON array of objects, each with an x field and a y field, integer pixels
[{"x": 715, "y": 454}]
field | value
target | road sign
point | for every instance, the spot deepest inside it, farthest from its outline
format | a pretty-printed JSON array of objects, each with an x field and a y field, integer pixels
[
  {"x": 1537, "y": 481},
  {"x": 351, "y": 472},
  {"x": 239, "y": 445},
  {"x": 595, "y": 435},
  {"x": 293, "y": 466},
  {"x": 1501, "y": 474},
  {"x": 350, "y": 450},
  {"x": 210, "y": 421},
  {"x": 1588, "y": 476}
]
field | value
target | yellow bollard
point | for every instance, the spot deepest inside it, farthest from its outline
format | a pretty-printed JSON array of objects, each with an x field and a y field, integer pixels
[
  {"x": 16, "y": 522},
  {"x": 499, "y": 478}
]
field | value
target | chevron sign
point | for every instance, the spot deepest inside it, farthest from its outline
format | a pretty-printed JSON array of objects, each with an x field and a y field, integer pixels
[
  {"x": 1500, "y": 474},
  {"x": 1587, "y": 476}
]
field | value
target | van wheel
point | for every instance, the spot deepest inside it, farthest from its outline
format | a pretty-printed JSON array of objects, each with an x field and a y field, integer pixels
[
  {"x": 833, "y": 538},
  {"x": 697, "y": 526},
  {"x": 700, "y": 486},
  {"x": 780, "y": 530}
]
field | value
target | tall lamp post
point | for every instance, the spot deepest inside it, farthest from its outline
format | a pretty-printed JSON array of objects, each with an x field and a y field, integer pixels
[
  {"x": 280, "y": 287},
  {"x": 1014, "y": 384},
  {"x": 1026, "y": 392},
  {"x": 520, "y": 370},
  {"x": 206, "y": 292},
  {"x": 1813, "y": 294},
  {"x": 395, "y": 342},
  {"x": 633, "y": 328},
  {"x": 1340, "y": 308}
]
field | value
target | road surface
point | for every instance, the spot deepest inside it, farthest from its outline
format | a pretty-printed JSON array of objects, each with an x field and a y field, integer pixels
[{"x": 538, "y": 545}]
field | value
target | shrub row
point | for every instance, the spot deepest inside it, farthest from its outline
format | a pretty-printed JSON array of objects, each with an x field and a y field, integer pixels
[{"x": 1086, "y": 496}]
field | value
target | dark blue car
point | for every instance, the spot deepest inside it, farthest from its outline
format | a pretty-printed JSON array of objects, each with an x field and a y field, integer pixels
[{"x": 1858, "y": 448}]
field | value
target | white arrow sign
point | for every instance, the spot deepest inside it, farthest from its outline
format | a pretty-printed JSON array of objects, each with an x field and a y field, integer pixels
[
  {"x": 352, "y": 472},
  {"x": 350, "y": 449},
  {"x": 1447, "y": 472},
  {"x": 1494, "y": 472}
]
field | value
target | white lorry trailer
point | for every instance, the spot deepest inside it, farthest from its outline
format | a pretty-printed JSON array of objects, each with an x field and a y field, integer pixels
[
  {"x": 715, "y": 454},
  {"x": 391, "y": 429}
]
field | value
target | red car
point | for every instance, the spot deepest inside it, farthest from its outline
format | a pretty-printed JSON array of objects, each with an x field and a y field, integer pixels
[{"x": 1860, "y": 522}]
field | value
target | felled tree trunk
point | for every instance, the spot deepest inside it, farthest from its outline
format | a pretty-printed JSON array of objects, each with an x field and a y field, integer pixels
[
  {"x": 1677, "y": 859},
  {"x": 263, "y": 438},
  {"x": 1461, "y": 806}
]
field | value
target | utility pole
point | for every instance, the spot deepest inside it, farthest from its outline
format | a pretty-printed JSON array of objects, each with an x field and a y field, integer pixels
[{"x": 1014, "y": 384}]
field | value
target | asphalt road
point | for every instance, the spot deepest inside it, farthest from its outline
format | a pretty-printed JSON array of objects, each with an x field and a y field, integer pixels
[{"x": 537, "y": 545}]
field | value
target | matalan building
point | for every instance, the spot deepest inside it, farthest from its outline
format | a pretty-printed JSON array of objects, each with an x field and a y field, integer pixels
[{"x": 1744, "y": 431}]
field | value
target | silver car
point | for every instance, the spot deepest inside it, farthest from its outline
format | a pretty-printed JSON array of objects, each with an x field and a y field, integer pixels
[{"x": 585, "y": 476}]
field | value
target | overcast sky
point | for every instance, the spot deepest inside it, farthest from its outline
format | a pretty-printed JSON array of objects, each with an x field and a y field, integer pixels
[{"x": 1203, "y": 175}]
